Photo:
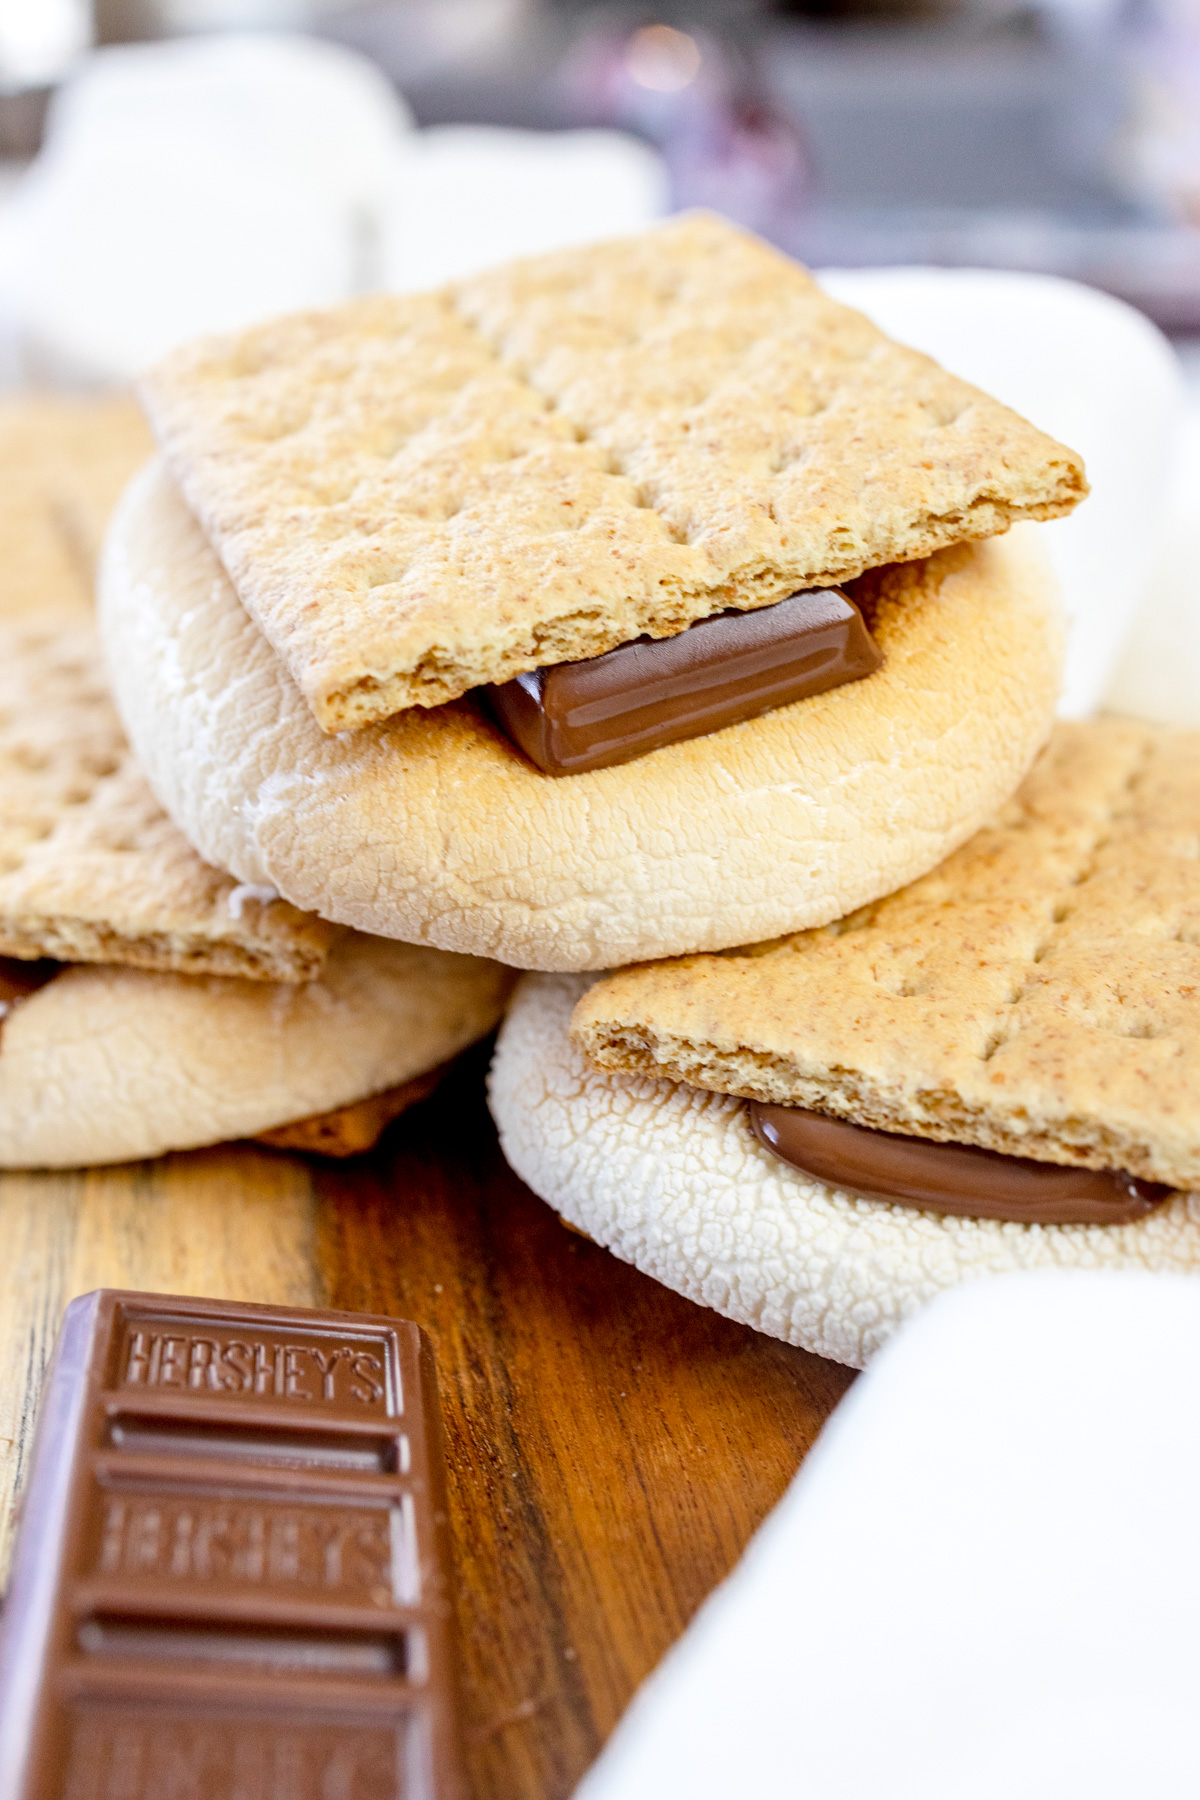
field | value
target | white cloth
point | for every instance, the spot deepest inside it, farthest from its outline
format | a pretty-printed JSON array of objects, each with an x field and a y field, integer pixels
[
  {"x": 984, "y": 1582},
  {"x": 1097, "y": 375}
]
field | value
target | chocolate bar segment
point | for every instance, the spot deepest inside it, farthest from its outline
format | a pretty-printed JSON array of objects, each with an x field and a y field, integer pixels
[
  {"x": 231, "y": 1574},
  {"x": 655, "y": 691},
  {"x": 950, "y": 1178}
]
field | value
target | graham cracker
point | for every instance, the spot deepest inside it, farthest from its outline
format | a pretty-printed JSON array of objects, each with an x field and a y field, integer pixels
[
  {"x": 63, "y": 463},
  {"x": 1038, "y": 994},
  {"x": 414, "y": 496},
  {"x": 352, "y": 1130},
  {"x": 91, "y": 869}
]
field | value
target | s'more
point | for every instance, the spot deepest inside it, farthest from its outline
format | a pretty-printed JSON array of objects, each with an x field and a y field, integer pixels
[
  {"x": 149, "y": 1002},
  {"x": 613, "y": 604},
  {"x": 994, "y": 1068}
]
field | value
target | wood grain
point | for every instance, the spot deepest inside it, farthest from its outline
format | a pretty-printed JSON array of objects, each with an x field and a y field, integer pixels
[
  {"x": 610, "y": 1447},
  {"x": 233, "y": 1223}
]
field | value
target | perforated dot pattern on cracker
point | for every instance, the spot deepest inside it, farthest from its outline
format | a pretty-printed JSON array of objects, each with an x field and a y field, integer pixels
[
  {"x": 91, "y": 869},
  {"x": 1038, "y": 994},
  {"x": 414, "y": 496}
]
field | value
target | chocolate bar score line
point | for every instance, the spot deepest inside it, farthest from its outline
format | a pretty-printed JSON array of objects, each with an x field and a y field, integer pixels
[{"x": 232, "y": 1564}]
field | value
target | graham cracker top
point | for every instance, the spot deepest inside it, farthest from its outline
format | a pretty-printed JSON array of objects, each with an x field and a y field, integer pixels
[
  {"x": 414, "y": 496},
  {"x": 91, "y": 869},
  {"x": 1038, "y": 994}
]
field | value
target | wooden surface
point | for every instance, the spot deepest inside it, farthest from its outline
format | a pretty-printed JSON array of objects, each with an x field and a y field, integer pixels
[{"x": 610, "y": 1447}]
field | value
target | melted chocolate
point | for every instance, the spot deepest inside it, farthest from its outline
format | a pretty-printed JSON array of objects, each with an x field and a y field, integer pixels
[
  {"x": 950, "y": 1178},
  {"x": 655, "y": 691}
]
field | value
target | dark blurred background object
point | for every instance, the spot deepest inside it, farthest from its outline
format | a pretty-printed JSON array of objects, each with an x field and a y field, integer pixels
[
  {"x": 701, "y": 100},
  {"x": 1062, "y": 137},
  {"x": 1053, "y": 135},
  {"x": 40, "y": 40},
  {"x": 22, "y": 117}
]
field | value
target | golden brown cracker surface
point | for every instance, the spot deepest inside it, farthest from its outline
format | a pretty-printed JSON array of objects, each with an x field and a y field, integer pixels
[
  {"x": 63, "y": 462},
  {"x": 414, "y": 496},
  {"x": 1038, "y": 994},
  {"x": 91, "y": 869},
  {"x": 433, "y": 828}
]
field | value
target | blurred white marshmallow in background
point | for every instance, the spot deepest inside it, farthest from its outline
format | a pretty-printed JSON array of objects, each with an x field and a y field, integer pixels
[
  {"x": 283, "y": 104},
  {"x": 466, "y": 196},
  {"x": 196, "y": 186},
  {"x": 202, "y": 185},
  {"x": 1158, "y": 676},
  {"x": 1095, "y": 374},
  {"x": 39, "y": 39}
]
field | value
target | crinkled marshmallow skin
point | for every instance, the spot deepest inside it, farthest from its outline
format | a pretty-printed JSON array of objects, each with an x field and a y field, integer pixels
[
  {"x": 432, "y": 828},
  {"x": 108, "y": 1064},
  {"x": 669, "y": 1178}
]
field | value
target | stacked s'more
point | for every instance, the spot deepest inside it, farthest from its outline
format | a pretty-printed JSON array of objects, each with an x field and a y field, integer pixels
[
  {"x": 148, "y": 1001},
  {"x": 619, "y": 603},
  {"x": 628, "y": 606}
]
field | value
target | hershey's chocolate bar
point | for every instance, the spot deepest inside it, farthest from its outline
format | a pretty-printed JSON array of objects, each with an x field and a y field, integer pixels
[
  {"x": 230, "y": 1579},
  {"x": 655, "y": 691}
]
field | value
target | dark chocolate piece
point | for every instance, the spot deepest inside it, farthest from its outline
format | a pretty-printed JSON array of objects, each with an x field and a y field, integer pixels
[
  {"x": 951, "y": 1178},
  {"x": 230, "y": 1580},
  {"x": 655, "y": 691}
]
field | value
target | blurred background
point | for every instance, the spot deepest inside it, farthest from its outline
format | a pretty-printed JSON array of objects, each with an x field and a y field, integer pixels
[{"x": 166, "y": 165}]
